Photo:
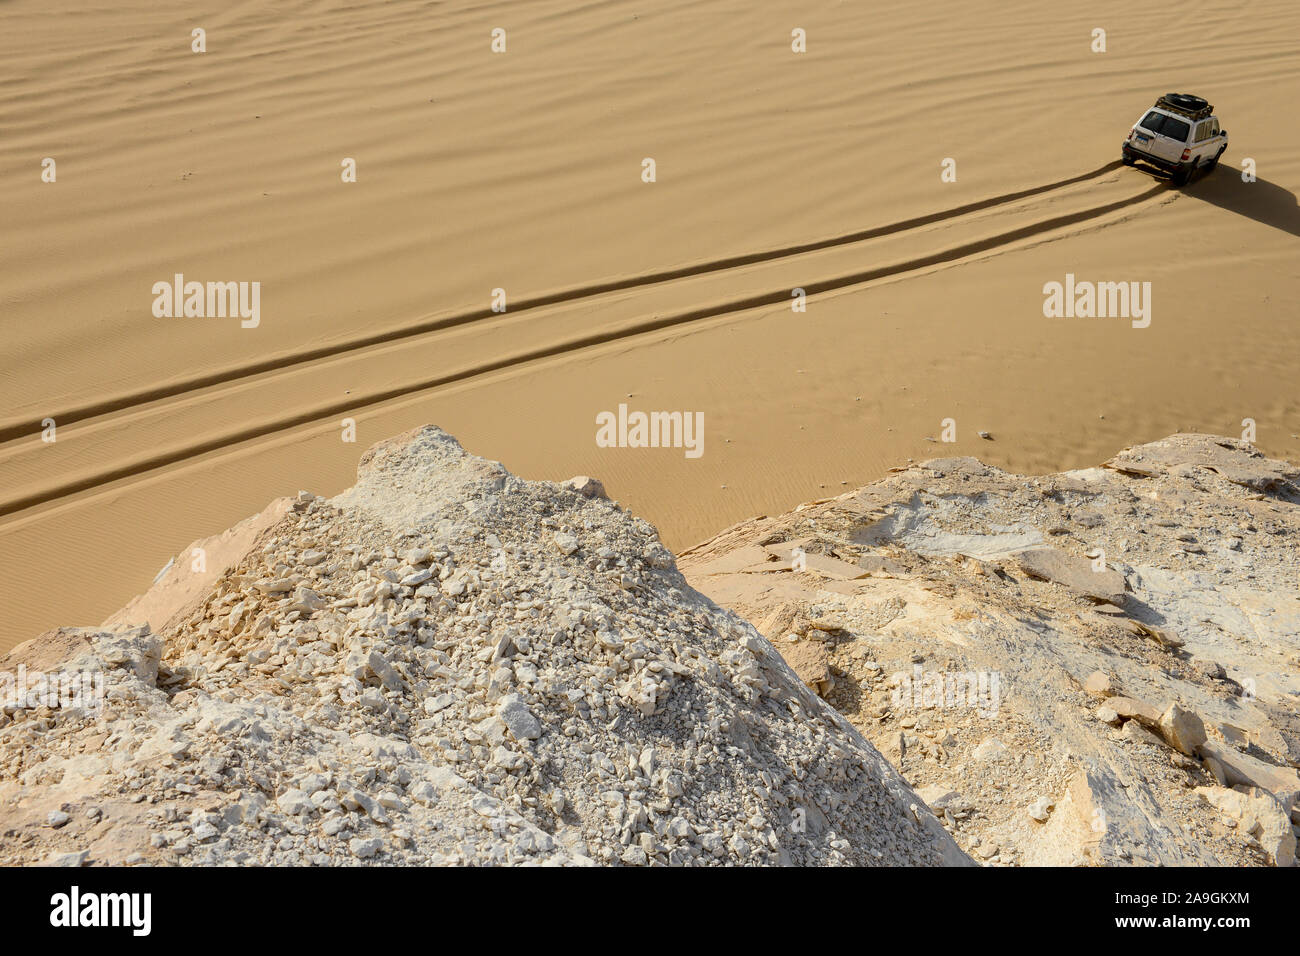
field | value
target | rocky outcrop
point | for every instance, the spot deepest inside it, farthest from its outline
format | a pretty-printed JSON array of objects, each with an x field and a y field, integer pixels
[
  {"x": 447, "y": 664},
  {"x": 1080, "y": 664},
  {"x": 444, "y": 664}
]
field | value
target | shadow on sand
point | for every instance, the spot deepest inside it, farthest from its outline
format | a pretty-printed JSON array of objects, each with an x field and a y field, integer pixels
[{"x": 1262, "y": 201}]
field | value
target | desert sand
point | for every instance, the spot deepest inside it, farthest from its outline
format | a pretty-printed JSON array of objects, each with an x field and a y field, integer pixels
[{"x": 522, "y": 171}]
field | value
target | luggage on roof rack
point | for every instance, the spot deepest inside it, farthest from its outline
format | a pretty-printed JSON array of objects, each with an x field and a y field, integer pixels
[{"x": 1185, "y": 104}]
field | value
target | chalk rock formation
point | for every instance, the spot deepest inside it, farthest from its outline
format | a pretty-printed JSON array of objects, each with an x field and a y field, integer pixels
[
  {"x": 444, "y": 664},
  {"x": 1074, "y": 661}
]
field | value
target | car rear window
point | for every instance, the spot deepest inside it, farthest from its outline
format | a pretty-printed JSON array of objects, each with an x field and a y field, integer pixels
[
  {"x": 1175, "y": 129},
  {"x": 1166, "y": 125}
]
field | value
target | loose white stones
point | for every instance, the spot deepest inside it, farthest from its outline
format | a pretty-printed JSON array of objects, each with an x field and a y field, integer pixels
[
  {"x": 518, "y": 718},
  {"x": 416, "y": 578},
  {"x": 1040, "y": 809},
  {"x": 433, "y": 705},
  {"x": 294, "y": 802},
  {"x": 508, "y": 662}
]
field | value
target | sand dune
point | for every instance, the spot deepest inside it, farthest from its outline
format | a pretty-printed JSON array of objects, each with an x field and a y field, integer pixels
[
  {"x": 278, "y": 393},
  {"x": 522, "y": 171}
]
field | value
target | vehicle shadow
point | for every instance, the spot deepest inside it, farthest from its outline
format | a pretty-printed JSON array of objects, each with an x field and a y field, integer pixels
[{"x": 1265, "y": 202}]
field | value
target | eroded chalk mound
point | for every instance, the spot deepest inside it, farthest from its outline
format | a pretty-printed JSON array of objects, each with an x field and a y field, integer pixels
[
  {"x": 444, "y": 664},
  {"x": 1095, "y": 667}
]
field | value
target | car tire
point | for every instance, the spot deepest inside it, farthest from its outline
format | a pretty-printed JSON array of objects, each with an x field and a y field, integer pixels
[
  {"x": 1183, "y": 174},
  {"x": 1127, "y": 158},
  {"x": 1215, "y": 161}
]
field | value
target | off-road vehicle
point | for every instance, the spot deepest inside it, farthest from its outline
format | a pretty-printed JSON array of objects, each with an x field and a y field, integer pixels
[{"x": 1180, "y": 135}]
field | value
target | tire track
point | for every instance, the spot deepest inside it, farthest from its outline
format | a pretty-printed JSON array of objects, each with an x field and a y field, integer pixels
[
  {"x": 770, "y": 297},
  {"x": 16, "y": 429}
]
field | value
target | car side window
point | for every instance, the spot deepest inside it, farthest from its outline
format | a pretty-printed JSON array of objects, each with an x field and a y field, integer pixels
[
  {"x": 1152, "y": 121},
  {"x": 1214, "y": 127},
  {"x": 1203, "y": 131}
]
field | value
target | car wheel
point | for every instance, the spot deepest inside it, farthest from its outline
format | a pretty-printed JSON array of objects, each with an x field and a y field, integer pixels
[
  {"x": 1128, "y": 158},
  {"x": 1215, "y": 161},
  {"x": 1184, "y": 173}
]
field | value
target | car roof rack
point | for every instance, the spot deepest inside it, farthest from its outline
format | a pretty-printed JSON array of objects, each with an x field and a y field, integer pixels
[{"x": 1184, "y": 104}]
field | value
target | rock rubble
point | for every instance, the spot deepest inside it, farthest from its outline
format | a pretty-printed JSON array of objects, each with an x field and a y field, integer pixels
[
  {"x": 1072, "y": 666},
  {"x": 443, "y": 665}
]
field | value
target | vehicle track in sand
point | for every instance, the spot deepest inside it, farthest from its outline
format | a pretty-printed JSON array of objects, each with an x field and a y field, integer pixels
[{"x": 139, "y": 432}]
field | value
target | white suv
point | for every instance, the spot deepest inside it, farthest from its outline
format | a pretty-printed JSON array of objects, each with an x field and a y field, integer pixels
[{"x": 1180, "y": 134}]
